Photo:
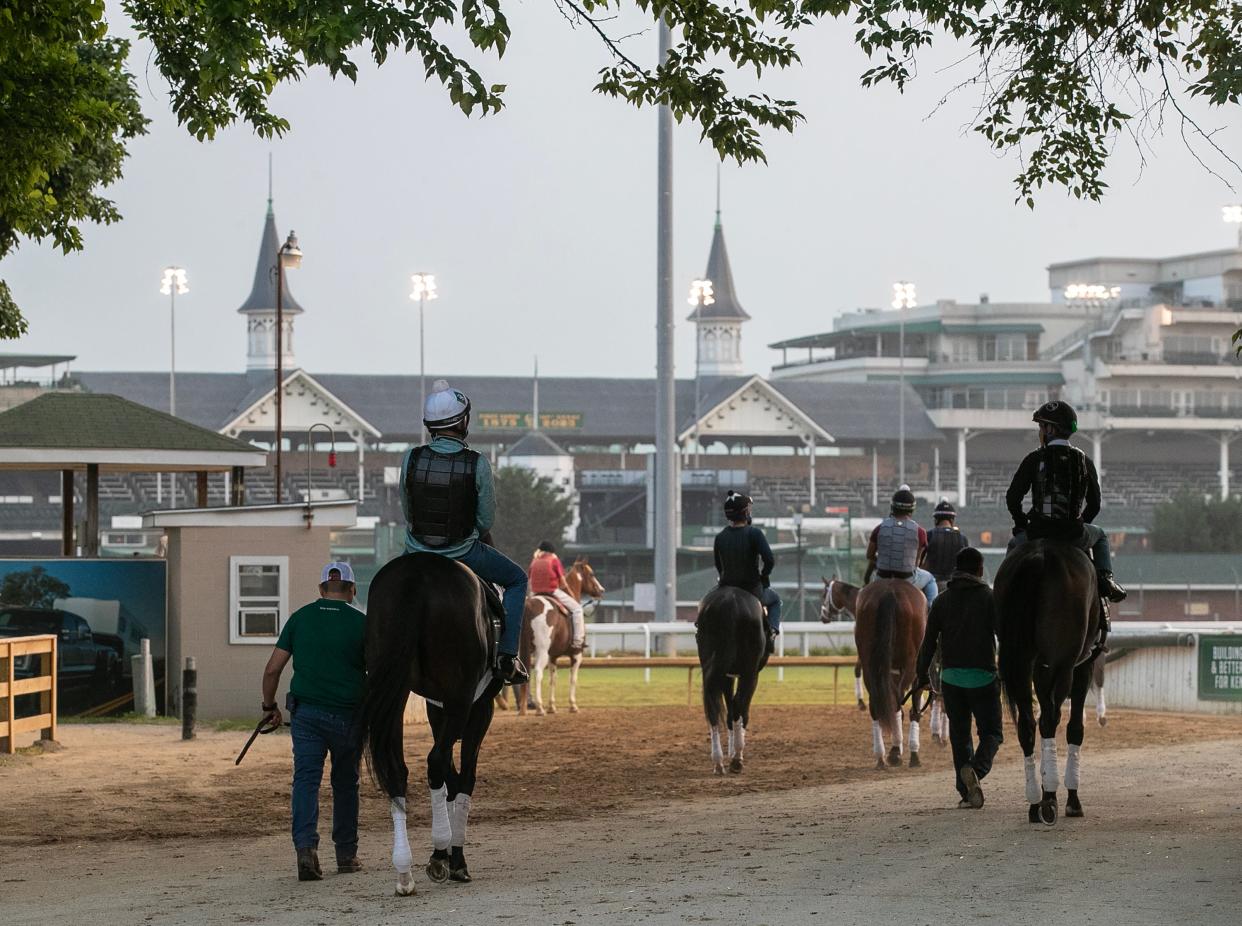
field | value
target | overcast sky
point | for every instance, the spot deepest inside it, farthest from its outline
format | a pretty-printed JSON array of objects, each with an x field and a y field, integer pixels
[{"x": 539, "y": 222}]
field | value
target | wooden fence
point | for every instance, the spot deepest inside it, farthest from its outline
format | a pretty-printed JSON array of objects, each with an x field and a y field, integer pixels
[{"x": 41, "y": 683}]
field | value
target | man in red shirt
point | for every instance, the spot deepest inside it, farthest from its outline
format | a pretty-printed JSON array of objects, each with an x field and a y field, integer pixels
[{"x": 546, "y": 576}]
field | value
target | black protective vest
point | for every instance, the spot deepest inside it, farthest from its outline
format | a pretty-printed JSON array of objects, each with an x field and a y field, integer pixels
[
  {"x": 943, "y": 545},
  {"x": 442, "y": 496},
  {"x": 1059, "y": 489}
]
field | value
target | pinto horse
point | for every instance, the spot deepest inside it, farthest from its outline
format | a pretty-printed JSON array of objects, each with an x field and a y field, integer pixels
[
  {"x": 430, "y": 631},
  {"x": 732, "y": 651},
  {"x": 841, "y": 598},
  {"x": 1049, "y": 615},
  {"x": 891, "y": 621},
  {"x": 548, "y": 634}
]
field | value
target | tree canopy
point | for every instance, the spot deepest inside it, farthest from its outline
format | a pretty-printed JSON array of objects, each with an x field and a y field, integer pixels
[
  {"x": 1191, "y": 523},
  {"x": 529, "y": 510},
  {"x": 1058, "y": 82}
]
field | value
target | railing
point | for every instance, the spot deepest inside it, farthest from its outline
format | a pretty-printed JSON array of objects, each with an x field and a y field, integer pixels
[{"x": 43, "y": 683}]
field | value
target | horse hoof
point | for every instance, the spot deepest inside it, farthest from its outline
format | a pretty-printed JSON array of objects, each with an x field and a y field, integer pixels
[
  {"x": 879, "y": 764},
  {"x": 405, "y": 885},
  {"x": 1048, "y": 813},
  {"x": 914, "y": 760},
  {"x": 735, "y": 764},
  {"x": 461, "y": 875},
  {"x": 573, "y": 708},
  {"x": 719, "y": 769},
  {"x": 1072, "y": 811},
  {"x": 861, "y": 706},
  {"x": 438, "y": 870},
  {"x": 894, "y": 758},
  {"x": 1032, "y": 815},
  {"x": 539, "y": 712},
  {"x": 551, "y": 708},
  {"x": 1103, "y": 721}
]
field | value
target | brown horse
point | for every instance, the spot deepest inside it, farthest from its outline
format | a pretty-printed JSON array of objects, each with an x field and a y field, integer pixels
[
  {"x": 1049, "y": 615},
  {"x": 548, "y": 634},
  {"x": 840, "y": 602},
  {"x": 891, "y": 620}
]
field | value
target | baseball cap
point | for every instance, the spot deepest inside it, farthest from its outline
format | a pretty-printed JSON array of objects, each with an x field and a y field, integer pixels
[{"x": 343, "y": 573}]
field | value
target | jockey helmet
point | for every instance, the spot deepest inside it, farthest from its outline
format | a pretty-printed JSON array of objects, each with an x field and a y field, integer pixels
[
  {"x": 903, "y": 501},
  {"x": 945, "y": 511},
  {"x": 445, "y": 408},
  {"x": 735, "y": 505},
  {"x": 1058, "y": 414},
  {"x": 546, "y": 547}
]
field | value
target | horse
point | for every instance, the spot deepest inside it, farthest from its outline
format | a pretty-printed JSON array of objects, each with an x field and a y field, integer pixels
[
  {"x": 1097, "y": 686},
  {"x": 732, "y": 649},
  {"x": 842, "y": 598},
  {"x": 891, "y": 621},
  {"x": 429, "y": 630},
  {"x": 1049, "y": 615},
  {"x": 547, "y": 634}
]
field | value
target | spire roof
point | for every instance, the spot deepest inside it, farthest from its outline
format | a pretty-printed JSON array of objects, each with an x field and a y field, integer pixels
[
  {"x": 720, "y": 273},
  {"x": 262, "y": 296}
]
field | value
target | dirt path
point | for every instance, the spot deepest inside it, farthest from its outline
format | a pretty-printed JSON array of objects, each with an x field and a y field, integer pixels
[{"x": 629, "y": 827}]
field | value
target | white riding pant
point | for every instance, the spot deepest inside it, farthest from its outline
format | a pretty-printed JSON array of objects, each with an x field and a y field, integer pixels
[{"x": 575, "y": 614}]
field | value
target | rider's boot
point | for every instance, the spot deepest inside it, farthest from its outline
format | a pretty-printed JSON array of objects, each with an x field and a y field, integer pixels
[
  {"x": 1110, "y": 589},
  {"x": 511, "y": 670}
]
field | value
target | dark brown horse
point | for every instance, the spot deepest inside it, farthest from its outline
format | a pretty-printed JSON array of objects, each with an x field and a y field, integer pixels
[
  {"x": 1049, "y": 616},
  {"x": 548, "y": 634},
  {"x": 430, "y": 631},
  {"x": 840, "y": 602},
  {"x": 888, "y": 630},
  {"x": 732, "y": 649}
]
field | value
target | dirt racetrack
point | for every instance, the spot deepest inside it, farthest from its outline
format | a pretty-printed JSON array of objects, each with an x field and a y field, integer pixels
[{"x": 613, "y": 816}]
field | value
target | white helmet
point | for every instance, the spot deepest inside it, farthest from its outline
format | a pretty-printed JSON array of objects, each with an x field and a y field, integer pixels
[{"x": 445, "y": 407}]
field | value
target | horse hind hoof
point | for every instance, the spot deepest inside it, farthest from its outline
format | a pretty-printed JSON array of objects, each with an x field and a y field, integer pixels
[
  {"x": 573, "y": 708},
  {"x": 735, "y": 765},
  {"x": 552, "y": 709},
  {"x": 894, "y": 758},
  {"x": 1103, "y": 721},
  {"x": 861, "y": 705},
  {"x": 1032, "y": 815},
  {"x": 719, "y": 768},
  {"x": 914, "y": 760},
  {"x": 879, "y": 765},
  {"x": 1048, "y": 813},
  {"x": 405, "y": 885},
  {"x": 1073, "y": 806},
  {"x": 438, "y": 870},
  {"x": 460, "y": 875}
]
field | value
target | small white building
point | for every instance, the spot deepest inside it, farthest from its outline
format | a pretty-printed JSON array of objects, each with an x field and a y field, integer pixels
[{"x": 541, "y": 455}]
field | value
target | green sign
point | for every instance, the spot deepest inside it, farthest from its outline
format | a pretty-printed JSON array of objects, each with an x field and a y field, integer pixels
[
  {"x": 1220, "y": 668},
  {"x": 523, "y": 421}
]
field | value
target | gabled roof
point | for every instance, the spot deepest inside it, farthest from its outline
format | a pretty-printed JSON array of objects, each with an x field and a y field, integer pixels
[
  {"x": 262, "y": 296},
  {"x": 867, "y": 412},
  {"x": 535, "y": 444},
  {"x": 260, "y": 394},
  {"x": 74, "y": 428},
  {"x": 732, "y": 393},
  {"x": 720, "y": 273}
]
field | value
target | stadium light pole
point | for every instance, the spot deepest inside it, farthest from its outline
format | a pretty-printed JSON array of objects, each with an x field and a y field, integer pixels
[
  {"x": 1233, "y": 215},
  {"x": 903, "y": 298},
  {"x": 173, "y": 285},
  {"x": 288, "y": 258},
  {"x": 423, "y": 288},
  {"x": 665, "y": 471},
  {"x": 702, "y": 293}
]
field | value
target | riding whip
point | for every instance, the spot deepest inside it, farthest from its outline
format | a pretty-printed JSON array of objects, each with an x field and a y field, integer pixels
[{"x": 265, "y": 725}]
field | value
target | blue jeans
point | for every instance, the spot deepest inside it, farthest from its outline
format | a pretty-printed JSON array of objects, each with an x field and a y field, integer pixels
[
  {"x": 772, "y": 602},
  {"x": 490, "y": 565},
  {"x": 925, "y": 582},
  {"x": 315, "y": 733}
]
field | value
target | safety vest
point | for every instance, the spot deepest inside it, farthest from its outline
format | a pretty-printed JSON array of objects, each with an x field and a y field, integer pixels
[
  {"x": 943, "y": 545},
  {"x": 442, "y": 496},
  {"x": 1059, "y": 490},
  {"x": 897, "y": 545}
]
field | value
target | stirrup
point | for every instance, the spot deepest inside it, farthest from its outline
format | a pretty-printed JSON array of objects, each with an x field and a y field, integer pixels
[{"x": 511, "y": 670}]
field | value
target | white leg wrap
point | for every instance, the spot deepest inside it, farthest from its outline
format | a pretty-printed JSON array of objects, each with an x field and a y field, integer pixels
[
  {"x": 739, "y": 737},
  {"x": 877, "y": 739},
  {"x": 1048, "y": 764},
  {"x": 858, "y": 688},
  {"x": 1100, "y": 707},
  {"x": 402, "y": 858},
  {"x": 732, "y": 744},
  {"x": 717, "y": 753},
  {"x": 441, "y": 830},
  {"x": 914, "y": 736},
  {"x": 944, "y": 725},
  {"x": 1072, "y": 767},
  {"x": 459, "y": 812},
  {"x": 897, "y": 727},
  {"x": 1033, "y": 794},
  {"x": 935, "y": 718}
]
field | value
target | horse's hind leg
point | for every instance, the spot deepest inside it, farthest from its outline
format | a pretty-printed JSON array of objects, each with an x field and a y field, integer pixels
[
  {"x": 858, "y": 686},
  {"x": 446, "y": 725},
  {"x": 459, "y": 808},
  {"x": 575, "y": 663},
  {"x": 1052, "y": 688},
  {"x": 741, "y": 717},
  {"x": 1026, "y": 739},
  {"x": 713, "y": 708},
  {"x": 551, "y": 686},
  {"x": 915, "y": 716},
  {"x": 1074, "y": 731}
]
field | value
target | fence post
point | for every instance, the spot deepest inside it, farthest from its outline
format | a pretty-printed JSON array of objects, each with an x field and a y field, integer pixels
[
  {"x": 647, "y": 650},
  {"x": 189, "y": 698},
  {"x": 144, "y": 681}
]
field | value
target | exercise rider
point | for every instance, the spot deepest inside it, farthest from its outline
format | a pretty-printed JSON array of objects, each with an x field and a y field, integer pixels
[
  {"x": 898, "y": 545},
  {"x": 944, "y": 542},
  {"x": 449, "y": 501},
  {"x": 738, "y": 552},
  {"x": 547, "y": 576}
]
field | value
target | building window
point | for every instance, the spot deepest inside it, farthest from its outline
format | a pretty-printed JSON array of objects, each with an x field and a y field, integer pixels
[{"x": 258, "y": 598}]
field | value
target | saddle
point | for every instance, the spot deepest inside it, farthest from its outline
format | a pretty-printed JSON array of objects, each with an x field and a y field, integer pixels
[{"x": 556, "y": 605}]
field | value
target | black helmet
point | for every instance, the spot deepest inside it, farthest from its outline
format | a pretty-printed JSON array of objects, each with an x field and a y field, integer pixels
[
  {"x": 1058, "y": 414},
  {"x": 735, "y": 505},
  {"x": 547, "y": 547},
  {"x": 945, "y": 511},
  {"x": 903, "y": 501}
]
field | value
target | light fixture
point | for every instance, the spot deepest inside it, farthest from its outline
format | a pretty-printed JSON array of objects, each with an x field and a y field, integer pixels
[
  {"x": 701, "y": 293},
  {"x": 423, "y": 286},
  {"x": 290, "y": 253},
  {"x": 1231, "y": 213},
  {"x": 1092, "y": 291},
  {"x": 174, "y": 277},
  {"x": 904, "y": 295}
]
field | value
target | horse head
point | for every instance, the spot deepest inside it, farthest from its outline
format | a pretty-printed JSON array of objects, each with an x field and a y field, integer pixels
[
  {"x": 591, "y": 587},
  {"x": 839, "y": 598}
]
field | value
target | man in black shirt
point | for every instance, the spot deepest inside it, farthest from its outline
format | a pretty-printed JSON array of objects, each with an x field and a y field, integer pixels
[
  {"x": 944, "y": 542},
  {"x": 963, "y": 622},
  {"x": 739, "y": 550}
]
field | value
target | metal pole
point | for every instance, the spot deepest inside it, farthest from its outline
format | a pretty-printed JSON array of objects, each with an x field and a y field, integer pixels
[
  {"x": 901, "y": 396},
  {"x": 801, "y": 592},
  {"x": 172, "y": 353},
  {"x": 666, "y": 463},
  {"x": 422, "y": 359},
  {"x": 280, "y": 363},
  {"x": 189, "y": 698}
]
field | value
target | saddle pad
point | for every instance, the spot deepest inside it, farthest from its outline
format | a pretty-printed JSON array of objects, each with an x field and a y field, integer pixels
[{"x": 486, "y": 680}]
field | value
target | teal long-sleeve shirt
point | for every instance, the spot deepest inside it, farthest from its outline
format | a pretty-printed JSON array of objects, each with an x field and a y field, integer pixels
[{"x": 485, "y": 512}]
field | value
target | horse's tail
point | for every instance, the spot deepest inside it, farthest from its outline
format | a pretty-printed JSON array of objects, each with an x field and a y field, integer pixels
[
  {"x": 880, "y": 664},
  {"x": 1019, "y": 607},
  {"x": 392, "y": 643},
  {"x": 717, "y": 642}
]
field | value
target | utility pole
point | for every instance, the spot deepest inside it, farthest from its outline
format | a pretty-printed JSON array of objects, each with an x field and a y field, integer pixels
[{"x": 665, "y": 470}]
